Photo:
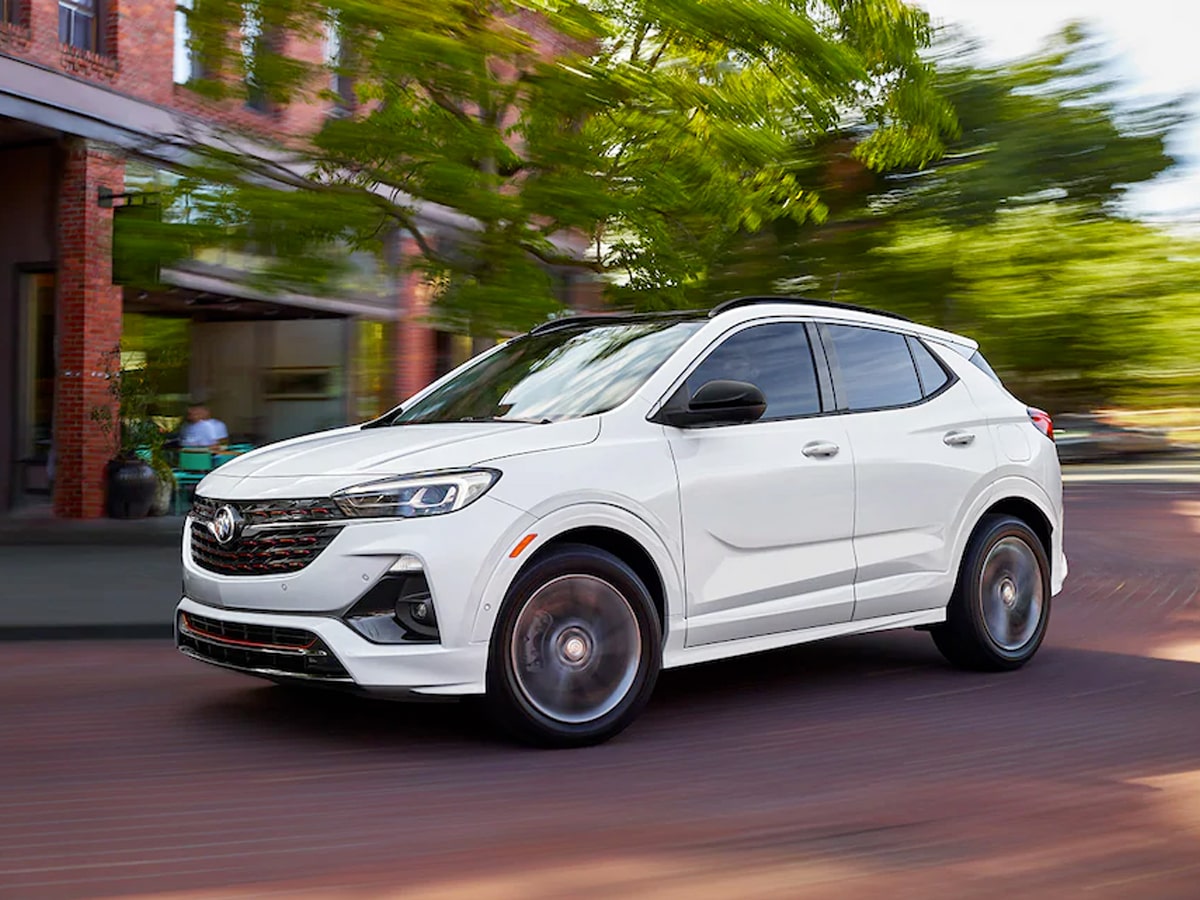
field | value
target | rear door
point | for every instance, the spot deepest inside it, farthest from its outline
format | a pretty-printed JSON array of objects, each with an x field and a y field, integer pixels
[{"x": 923, "y": 452}]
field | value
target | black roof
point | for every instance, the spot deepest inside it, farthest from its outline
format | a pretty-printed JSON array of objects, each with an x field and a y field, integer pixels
[
  {"x": 739, "y": 302},
  {"x": 683, "y": 314},
  {"x": 616, "y": 318}
]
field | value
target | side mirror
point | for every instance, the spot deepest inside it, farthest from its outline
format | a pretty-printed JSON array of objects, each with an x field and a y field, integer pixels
[{"x": 718, "y": 403}]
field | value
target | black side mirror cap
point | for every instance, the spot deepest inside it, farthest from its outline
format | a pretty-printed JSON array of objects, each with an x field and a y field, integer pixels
[{"x": 720, "y": 402}]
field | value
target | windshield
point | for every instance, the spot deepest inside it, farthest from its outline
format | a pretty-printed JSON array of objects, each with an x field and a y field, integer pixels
[{"x": 563, "y": 373}]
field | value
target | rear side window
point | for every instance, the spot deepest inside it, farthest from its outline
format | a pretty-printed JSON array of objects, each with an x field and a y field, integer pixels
[
  {"x": 933, "y": 376},
  {"x": 876, "y": 368},
  {"x": 776, "y": 358}
]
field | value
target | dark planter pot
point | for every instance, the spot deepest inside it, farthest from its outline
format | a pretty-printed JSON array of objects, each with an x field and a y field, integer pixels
[{"x": 132, "y": 485}]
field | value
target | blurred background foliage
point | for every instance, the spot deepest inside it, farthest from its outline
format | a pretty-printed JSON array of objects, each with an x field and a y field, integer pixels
[
  {"x": 684, "y": 152},
  {"x": 1016, "y": 235}
]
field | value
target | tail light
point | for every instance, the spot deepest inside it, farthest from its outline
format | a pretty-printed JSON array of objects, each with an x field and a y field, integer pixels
[{"x": 1041, "y": 419}]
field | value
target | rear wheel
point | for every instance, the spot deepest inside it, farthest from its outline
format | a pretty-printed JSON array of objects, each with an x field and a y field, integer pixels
[
  {"x": 1000, "y": 608},
  {"x": 576, "y": 651}
]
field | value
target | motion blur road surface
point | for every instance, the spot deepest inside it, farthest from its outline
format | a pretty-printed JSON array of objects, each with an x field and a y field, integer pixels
[{"x": 858, "y": 768}]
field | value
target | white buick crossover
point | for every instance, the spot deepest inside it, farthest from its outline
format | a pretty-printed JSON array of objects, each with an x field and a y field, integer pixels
[{"x": 558, "y": 519}]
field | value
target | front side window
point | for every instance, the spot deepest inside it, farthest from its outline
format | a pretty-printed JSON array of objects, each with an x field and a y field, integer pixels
[
  {"x": 77, "y": 24},
  {"x": 775, "y": 358},
  {"x": 876, "y": 368},
  {"x": 564, "y": 373}
]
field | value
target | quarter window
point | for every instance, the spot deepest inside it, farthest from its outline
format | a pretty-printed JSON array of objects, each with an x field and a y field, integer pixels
[
  {"x": 982, "y": 365},
  {"x": 776, "y": 358},
  {"x": 933, "y": 376},
  {"x": 877, "y": 371}
]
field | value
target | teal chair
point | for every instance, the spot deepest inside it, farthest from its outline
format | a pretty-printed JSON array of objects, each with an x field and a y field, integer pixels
[{"x": 189, "y": 471}]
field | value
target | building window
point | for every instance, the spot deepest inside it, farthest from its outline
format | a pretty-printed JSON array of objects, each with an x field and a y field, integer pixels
[
  {"x": 15, "y": 12},
  {"x": 337, "y": 58},
  {"x": 254, "y": 48},
  {"x": 188, "y": 66},
  {"x": 78, "y": 24}
]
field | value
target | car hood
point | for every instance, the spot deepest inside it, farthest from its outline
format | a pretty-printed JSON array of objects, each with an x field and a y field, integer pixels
[{"x": 318, "y": 464}]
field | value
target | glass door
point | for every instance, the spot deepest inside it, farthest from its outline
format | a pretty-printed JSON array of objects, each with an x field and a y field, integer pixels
[{"x": 35, "y": 388}]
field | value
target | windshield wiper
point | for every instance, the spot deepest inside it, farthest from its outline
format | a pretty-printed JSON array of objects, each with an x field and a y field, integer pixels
[
  {"x": 385, "y": 423},
  {"x": 502, "y": 419}
]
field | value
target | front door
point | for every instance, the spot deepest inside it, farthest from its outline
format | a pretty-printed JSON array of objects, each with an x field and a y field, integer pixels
[{"x": 767, "y": 507}]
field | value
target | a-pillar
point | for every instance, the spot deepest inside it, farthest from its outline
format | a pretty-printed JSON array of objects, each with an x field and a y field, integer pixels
[
  {"x": 415, "y": 341},
  {"x": 89, "y": 327}
]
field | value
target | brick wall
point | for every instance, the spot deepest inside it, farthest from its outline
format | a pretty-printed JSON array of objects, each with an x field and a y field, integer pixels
[
  {"x": 136, "y": 58},
  {"x": 415, "y": 342},
  {"x": 89, "y": 326}
]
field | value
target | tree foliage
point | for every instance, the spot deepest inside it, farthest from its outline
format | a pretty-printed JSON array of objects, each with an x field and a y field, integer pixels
[
  {"x": 1015, "y": 235},
  {"x": 627, "y": 139}
]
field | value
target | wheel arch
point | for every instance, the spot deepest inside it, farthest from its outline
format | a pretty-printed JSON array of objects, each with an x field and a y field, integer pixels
[
  {"x": 619, "y": 544},
  {"x": 1022, "y": 498},
  {"x": 1024, "y": 509},
  {"x": 613, "y": 529}
]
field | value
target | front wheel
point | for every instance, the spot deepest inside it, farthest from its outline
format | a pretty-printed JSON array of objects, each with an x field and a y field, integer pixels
[
  {"x": 998, "y": 613},
  {"x": 576, "y": 650}
]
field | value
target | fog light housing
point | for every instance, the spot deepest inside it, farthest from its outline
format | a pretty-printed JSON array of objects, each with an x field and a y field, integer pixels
[
  {"x": 414, "y": 608},
  {"x": 397, "y": 610}
]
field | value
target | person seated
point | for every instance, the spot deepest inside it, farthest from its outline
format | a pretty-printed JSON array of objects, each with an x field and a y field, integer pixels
[{"x": 202, "y": 431}]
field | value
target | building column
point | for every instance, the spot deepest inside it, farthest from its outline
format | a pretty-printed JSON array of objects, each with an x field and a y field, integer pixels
[
  {"x": 88, "y": 327},
  {"x": 585, "y": 294},
  {"x": 415, "y": 343}
]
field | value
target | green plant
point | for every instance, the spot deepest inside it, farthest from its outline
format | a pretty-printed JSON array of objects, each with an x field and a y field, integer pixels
[{"x": 135, "y": 390}]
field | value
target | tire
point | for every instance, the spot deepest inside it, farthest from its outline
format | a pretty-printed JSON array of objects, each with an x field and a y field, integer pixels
[
  {"x": 550, "y": 680},
  {"x": 998, "y": 613}
]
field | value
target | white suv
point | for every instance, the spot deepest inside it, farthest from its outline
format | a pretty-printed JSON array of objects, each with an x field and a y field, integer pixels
[{"x": 564, "y": 515}]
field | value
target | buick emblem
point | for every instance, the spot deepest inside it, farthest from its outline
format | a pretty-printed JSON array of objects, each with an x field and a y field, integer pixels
[{"x": 226, "y": 524}]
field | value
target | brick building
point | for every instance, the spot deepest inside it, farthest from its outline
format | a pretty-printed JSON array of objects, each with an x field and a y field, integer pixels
[{"x": 84, "y": 87}]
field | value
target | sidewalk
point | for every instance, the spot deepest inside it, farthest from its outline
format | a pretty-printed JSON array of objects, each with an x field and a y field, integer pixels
[{"x": 84, "y": 579}]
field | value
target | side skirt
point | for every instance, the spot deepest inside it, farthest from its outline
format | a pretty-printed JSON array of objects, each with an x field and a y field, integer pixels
[{"x": 685, "y": 656}]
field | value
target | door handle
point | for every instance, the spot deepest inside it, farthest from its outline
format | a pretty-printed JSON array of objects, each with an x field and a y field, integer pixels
[
  {"x": 958, "y": 438},
  {"x": 820, "y": 449}
]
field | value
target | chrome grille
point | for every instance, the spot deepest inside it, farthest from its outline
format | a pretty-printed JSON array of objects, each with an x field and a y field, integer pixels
[
  {"x": 278, "y": 536},
  {"x": 276, "y": 512}
]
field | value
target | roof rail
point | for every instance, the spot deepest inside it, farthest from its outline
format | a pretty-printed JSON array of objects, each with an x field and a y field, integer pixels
[
  {"x": 616, "y": 317},
  {"x": 739, "y": 302}
]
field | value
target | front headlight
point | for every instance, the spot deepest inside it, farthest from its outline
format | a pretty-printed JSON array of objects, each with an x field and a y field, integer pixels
[{"x": 409, "y": 496}]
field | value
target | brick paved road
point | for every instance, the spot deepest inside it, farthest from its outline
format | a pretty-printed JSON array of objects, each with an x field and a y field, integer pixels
[{"x": 859, "y": 768}]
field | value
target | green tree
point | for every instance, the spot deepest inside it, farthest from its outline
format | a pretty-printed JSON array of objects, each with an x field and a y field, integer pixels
[
  {"x": 627, "y": 138},
  {"x": 1015, "y": 235}
]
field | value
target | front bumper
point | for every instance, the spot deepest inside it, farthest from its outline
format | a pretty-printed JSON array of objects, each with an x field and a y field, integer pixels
[{"x": 275, "y": 646}]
